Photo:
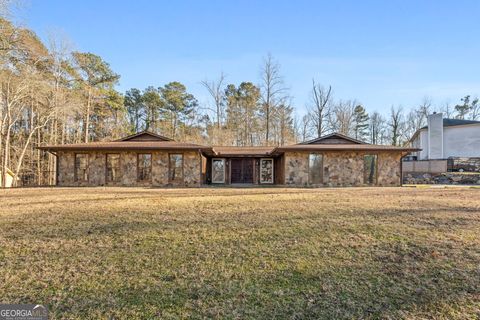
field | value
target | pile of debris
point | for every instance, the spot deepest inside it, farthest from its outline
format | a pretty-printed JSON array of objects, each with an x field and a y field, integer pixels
[{"x": 441, "y": 178}]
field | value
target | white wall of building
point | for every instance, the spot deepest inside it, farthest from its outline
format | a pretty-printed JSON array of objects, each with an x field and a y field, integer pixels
[
  {"x": 9, "y": 180},
  {"x": 461, "y": 141},
  {"x": 435, "y": 136}
]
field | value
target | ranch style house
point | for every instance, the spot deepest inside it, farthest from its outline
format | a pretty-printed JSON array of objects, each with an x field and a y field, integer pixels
[{"x": 150, "y": 160}]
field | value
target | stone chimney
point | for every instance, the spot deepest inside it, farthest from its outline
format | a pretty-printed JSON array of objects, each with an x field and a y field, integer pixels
[{"x": 435, "y": 136}]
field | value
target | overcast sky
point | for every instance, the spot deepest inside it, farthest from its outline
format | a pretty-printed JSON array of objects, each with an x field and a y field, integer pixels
[{"x": 378, "y": 52}]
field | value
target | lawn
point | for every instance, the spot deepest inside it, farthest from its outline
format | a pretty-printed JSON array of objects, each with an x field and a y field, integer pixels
[{"x": 128, "y": 253}]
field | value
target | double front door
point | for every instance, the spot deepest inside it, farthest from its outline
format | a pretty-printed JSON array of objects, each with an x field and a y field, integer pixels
[{"x": 241, "y": 170}]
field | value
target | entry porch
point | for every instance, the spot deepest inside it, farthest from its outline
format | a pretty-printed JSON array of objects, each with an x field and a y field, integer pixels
[{"x": 234, "y": 169}]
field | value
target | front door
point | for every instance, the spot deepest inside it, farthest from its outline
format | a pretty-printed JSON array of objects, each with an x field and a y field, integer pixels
[{"x": 241, "y": 170}]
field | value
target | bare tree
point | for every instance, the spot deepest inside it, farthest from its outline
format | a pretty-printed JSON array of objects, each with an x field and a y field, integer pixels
[
  {"x": 342, "y": 117},
  {"x": 475, "y": 109},
  {"x": 447, "y": 110},
  {"x": 217, "y": 92},
  {"x": 273, "y": 91},
  {"x": 319, "y": 111},
  {"x": 305, "y": 127},
  {"x": 424, "y": 109},
  {"x": 377, "y": 128},
  {"x": 396, "y": 125}
]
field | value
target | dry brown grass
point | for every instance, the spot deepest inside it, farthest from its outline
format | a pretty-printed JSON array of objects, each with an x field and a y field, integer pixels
[{"x": 242, "y": 253}]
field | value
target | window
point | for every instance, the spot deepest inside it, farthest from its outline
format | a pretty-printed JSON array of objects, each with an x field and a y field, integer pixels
[
  {"x": 266, "y": 170},
  {"x": 113, "y": 167},
  {"x": 175, "y": 168},
  {"x": 144, "y": 167},
  {"x": 370, "y": 169},
  {"x": 218, "y": 170},
  {"x": 81, "y": 167},
  {"x": 315, "y": 168}
]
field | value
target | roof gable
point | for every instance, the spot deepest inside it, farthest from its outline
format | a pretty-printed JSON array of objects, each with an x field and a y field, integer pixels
[
  {"x": 145, "y": 136},
  {"x": 334, "y": 138}
]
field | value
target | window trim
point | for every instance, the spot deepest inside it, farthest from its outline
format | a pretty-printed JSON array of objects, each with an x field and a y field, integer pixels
[
  {"x": 75, "y": 175},
  {"x": 106, "y": 166},
  {"x": 151, "y": 165},
  {"x": 224, "y": 169},
  {"x": 376, "y": 169},
  {"x": 170, "y": 167},
  {"x": 273, "y": 171},
  {"x": 322, "y": 178}
]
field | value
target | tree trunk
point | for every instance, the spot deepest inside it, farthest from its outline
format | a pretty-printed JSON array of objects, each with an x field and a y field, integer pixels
[{"x": 87, "y": 116}]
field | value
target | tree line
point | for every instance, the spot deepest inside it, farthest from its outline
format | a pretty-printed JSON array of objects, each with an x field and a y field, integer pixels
[{"x": 51, "y": 95}]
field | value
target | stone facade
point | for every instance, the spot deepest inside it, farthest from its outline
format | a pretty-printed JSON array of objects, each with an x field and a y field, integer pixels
[
  {"x": 339, "y": 169},
  {"x": 343, "y": 169},
  {"x": 192, "y": 164}
]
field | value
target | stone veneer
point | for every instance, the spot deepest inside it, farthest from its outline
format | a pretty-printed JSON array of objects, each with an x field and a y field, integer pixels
[
  {"x": 343, "y": 169},
  {"x": 128, "y": 170}
]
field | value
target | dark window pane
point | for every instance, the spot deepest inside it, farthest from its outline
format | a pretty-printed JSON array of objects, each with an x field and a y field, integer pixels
[
  {"x": 370, "y": 169},
  {"x": 315, "y": 168},
  {"x": 81, "y": 167},
  {"x": 113, "y": 167},
  {"x": 144, "y": 167},
  {"x": 175, "y": 169}
]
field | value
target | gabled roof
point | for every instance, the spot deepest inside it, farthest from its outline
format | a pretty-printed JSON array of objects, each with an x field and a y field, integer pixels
[
  {"x": 339, "y": 142},
  {"x": 144, "y": 136},
  {"x": 334, "y": 138},
  {"x": 455, "y": 122}
]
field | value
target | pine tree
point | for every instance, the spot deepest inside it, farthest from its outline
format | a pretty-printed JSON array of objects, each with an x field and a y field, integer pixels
[{"x": 361, "y": 119}]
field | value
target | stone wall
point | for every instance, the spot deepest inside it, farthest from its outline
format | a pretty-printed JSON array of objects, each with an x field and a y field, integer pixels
[
  {"x": 342, "y": 169},
  {"x": 128, "y": 170},
  {"x": 389, "y": 169},
  {"x": 296, "y": 168},
  {"x": 449, "y": 178}
]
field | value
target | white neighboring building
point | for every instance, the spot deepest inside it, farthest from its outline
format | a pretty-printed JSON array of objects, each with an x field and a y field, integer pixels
[
  {"x": 444, "y": 138},
  {"x": 9, "y": 180}
]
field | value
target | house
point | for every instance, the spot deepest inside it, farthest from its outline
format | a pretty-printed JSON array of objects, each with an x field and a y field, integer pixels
[
  {"x": 9, "y": 180},
  {"x": 447, "y": 138},
  {"x": 148, "y": 159}
]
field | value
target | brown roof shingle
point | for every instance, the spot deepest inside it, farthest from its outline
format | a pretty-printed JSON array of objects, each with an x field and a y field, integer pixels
[{"x": 126, "y": 145}]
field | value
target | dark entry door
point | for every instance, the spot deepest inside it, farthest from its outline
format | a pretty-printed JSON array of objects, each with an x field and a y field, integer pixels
[{"x": 241, "y": 171}]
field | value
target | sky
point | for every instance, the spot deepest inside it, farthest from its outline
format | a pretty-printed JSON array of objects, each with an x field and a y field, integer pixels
[{"x": 381, "y": 53}]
